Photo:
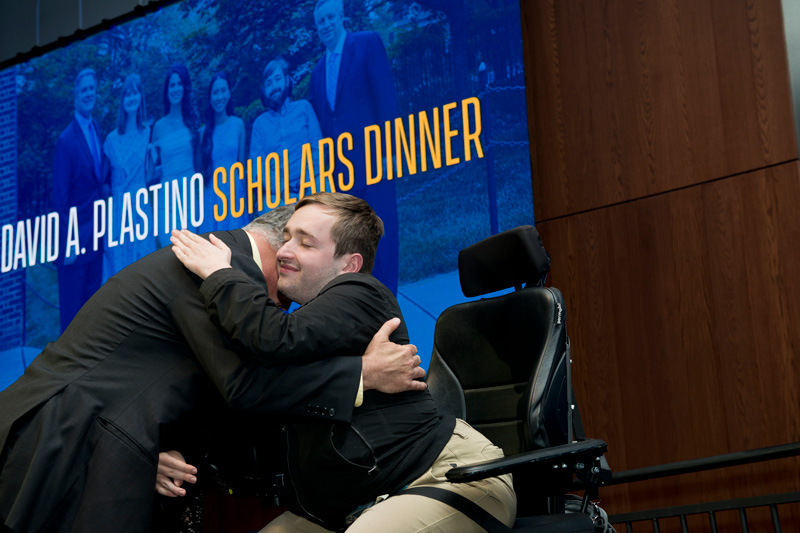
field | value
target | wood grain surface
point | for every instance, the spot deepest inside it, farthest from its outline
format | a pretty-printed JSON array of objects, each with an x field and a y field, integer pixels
[
  {"x": 633, "y": 98},
  {"x": 666, "y": 188},
  {"x": 683, "y": 310}
]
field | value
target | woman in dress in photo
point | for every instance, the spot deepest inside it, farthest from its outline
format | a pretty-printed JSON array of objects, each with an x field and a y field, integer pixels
[
  {"x": 222, "y": 144},
  {"x": 174, "y": 139},
  {"x": 126, "y": 150}
]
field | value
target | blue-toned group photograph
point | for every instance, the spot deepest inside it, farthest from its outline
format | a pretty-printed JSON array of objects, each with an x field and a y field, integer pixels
[{"x": 205, "y": 114}]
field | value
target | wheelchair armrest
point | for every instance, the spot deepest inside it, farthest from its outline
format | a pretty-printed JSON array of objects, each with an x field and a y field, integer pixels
[{"x": 583, "y": 459}]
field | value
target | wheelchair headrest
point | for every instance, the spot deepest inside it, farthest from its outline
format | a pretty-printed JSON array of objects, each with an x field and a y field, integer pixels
[{"x": 509, "y": 259}]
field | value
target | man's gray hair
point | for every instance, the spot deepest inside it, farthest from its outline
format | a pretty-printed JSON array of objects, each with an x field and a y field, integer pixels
[{"x": 270, "y": 225}]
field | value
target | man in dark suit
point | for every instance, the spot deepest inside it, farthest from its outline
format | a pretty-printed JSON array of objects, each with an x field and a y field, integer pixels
[
  {"x": 394, "y": 440},
  {"x": 82, "y": 428},
  {"x": 79, "y": 178},
  {"x": 351, "y": 88}
]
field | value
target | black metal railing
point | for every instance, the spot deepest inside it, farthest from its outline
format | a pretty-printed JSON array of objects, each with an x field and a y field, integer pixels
[{"x": 653, "y": 516}]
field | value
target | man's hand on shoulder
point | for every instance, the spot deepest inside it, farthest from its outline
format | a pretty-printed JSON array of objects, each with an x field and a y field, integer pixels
[
  {"x": 390, "y": 367},
  {"x": 202, "y": 257}
]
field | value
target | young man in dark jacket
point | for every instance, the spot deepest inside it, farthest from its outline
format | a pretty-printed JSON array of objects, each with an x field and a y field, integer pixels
[{"x": 393, "y": 440}]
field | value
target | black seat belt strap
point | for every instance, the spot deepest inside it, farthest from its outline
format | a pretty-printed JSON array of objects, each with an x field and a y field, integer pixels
[{"x": 458, "y": 502}]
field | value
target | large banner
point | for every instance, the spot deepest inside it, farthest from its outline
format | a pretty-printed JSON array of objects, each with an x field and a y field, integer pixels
[{"x": 205, "y": 114}]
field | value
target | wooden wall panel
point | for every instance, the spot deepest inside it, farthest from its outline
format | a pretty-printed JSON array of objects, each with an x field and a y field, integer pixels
[
  {"x": 631, "y": 98},
  {"x": 683, "y": 310}
]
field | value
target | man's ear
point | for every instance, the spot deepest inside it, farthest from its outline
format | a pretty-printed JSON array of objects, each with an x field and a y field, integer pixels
[{"x": 354, "y": 263}]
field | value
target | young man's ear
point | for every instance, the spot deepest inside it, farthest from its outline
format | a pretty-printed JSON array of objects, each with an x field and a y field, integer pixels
[{"x": 354, "y": 263}]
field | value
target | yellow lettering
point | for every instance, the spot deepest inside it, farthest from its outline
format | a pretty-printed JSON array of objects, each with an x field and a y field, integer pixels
[
  {"x": 374, "y": 129},
  {"x": 254, "y": 187},
  {"x": 236, "y": 212},
  {"x": 471, "y": 135},
  {"x": 307, "y": 178},
  {"x": 449, "y": 134},
  {"x": 326, "y": 173},
  {"x": 273, "y": 157},
  {"x": 345, "y": 186},
  {"x": 407, "y": 144},
  {"x": 287, "y": 198},
  {"x": 387, "y": 128},
  {"x": 219, "y": 216},
  {"x": 432, "y": 140}
]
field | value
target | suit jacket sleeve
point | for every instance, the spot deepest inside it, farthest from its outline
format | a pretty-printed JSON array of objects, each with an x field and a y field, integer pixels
[
  {"x": 315, "y": 96},
  {"x": 320, "y": 389},
  {"x": 340, "y": 321},
  {"x": 249, "y": 386},
  {"x": 381, "y": 81}
]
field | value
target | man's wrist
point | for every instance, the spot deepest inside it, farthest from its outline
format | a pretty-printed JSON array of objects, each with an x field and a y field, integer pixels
[
  {"x": 366, "y": 384},
  {"x": 209, "y": 270},
  {"x": 360, "y": 393}
]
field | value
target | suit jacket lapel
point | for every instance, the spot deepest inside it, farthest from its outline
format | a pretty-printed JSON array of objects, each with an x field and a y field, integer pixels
[
  {"x": 345, "y": 64},
  {"x": 318, "y": 90},
  {"x": 86, "y": 152}
]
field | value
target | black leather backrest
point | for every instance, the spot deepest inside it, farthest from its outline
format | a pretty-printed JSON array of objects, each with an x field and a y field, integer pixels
[
  {"x": 512, "y": 258},
  {"x": 494, "y": 361}
]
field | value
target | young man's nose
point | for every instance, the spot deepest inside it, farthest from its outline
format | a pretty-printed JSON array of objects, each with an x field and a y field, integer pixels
[{"x": 284, "y": 252}]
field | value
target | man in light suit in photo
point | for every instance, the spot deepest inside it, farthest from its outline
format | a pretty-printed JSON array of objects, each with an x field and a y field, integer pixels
[
  {"x": 351, "y": 88},
  {"x": 82, "y": 428},
  {"x": 79, "y": 178}
]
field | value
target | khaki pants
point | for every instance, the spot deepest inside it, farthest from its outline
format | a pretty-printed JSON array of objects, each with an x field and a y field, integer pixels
[{"x": 412, "y": 513}]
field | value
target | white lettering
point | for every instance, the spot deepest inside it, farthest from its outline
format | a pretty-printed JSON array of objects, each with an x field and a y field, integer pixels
[
  {"x": 154, "y": 189},
  {"x": 98, "y": 223},
  {"x": 23, "y": 242},
  {"x": 73, "y": 237},
  {"x": 141, "y": 227},
  {"x": 52, "y": 236},
  {"x": 33, "y": 239},
  {"x": 127, "y": 219},
  {"x": 7, "y": 257},
  {"x": 198, "y": 207}
]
